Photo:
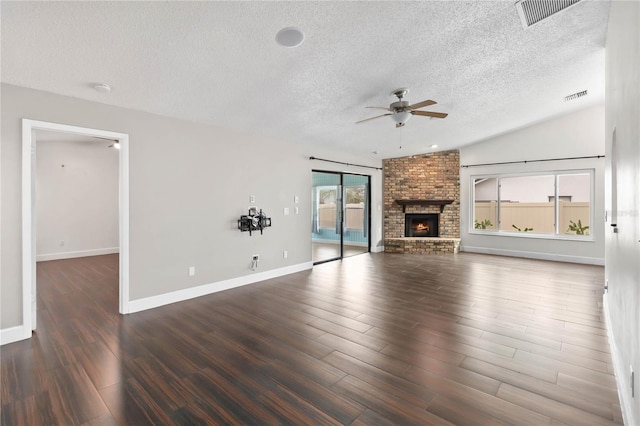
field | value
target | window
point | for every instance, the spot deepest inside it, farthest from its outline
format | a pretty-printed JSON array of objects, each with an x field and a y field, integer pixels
[
  {"x": 551, "y": 204},
  {"x": 525, "y": 205}
]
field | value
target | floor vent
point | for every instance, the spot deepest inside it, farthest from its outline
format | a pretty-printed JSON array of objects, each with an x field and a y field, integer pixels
[
  {"x": 575, "y": 96},
  {"x": 533, "y": 11}
]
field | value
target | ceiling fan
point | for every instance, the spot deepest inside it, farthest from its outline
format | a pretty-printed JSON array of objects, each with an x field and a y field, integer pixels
[{"x": 401, "y": 111}]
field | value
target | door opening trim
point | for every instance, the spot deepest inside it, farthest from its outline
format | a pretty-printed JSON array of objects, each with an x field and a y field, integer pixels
[{"x": 28, "y": 212}]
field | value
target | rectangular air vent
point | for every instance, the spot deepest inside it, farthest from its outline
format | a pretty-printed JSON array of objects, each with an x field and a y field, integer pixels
[
  {"x": 575, "y": 96},
  {"x": 533, "y": 11}
]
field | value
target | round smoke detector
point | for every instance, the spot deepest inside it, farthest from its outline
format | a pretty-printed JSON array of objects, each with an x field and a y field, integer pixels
[{"x": 290, "y": 37}]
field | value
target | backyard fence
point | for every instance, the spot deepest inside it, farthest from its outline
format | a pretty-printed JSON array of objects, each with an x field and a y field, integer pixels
[
  {"x": 354, "y": 216},
  {"x": 539, "y": 216}
]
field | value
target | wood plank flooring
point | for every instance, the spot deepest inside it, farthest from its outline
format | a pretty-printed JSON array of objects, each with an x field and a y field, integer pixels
[
  {"x": 321, "y": 252},
  {"x": 374, "y": 339}
]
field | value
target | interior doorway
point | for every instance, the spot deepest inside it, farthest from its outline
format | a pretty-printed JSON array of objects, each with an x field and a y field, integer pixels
[
  {"x": 341, "y": 215},
  {"x": 29, "y": 199}
]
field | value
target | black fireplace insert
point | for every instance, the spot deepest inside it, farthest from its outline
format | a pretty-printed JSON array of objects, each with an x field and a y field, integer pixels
[{"x": 421, "y": 225}]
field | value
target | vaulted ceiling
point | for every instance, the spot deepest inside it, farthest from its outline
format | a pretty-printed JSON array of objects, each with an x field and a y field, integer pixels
[{"x": 219, "y": 63}]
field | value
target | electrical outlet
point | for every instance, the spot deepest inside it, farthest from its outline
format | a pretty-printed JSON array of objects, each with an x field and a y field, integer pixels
[
  {"x": 255, "y": 257},
  {"x": 285, "y": 254},
  {"x": 296, "y": 199},
  {"x": 285, "y": 211},
  {"x": 192, "y": 271},
  {"x": 252, "y": 198}
]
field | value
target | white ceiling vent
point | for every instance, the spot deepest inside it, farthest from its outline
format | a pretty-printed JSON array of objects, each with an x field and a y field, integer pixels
[
  {"x": 575, "y": 96},
  {"x": 533, "y": 11}
]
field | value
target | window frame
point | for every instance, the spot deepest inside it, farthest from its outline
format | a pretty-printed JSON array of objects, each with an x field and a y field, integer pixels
[
  {"x": 558, "y": 234},
  {"x": 345, "y": 188},
  {"x": 337, "y": 188}
]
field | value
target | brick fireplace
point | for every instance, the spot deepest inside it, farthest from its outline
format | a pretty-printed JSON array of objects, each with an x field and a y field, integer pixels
[{"x": 422, "y": 185}]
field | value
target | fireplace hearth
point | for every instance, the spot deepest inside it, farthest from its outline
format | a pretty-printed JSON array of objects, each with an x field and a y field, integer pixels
[{"x": 421, "y": 225}]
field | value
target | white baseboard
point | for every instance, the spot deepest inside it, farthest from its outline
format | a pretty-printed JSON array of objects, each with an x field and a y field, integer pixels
[
  {"x": 13, "y": 334},
  {"x": 379, "y": 249},
  {"x": 193, "y": 292},
  {"x": 621, "y": 373},
  {"x": 536, "y": 255},
  {"x": 73, "y": 254}
]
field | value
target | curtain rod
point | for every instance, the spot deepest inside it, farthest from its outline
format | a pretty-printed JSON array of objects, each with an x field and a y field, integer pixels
[
  {"x": 346, "y": 164},
  {"x": 531, "y": 161}
]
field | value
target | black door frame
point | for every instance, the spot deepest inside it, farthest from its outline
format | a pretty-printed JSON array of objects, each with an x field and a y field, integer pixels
[{"x": 342, "y": 207}]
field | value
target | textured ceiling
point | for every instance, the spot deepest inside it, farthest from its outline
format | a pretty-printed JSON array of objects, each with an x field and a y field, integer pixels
[{"x": 218, "y": 63}]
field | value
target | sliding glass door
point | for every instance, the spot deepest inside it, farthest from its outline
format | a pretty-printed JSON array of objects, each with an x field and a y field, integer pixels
[{"x": 340, "y": 215}]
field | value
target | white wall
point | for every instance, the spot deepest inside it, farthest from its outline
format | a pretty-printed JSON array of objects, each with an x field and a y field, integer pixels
[
  {"x": 77, "y": 198},
  {"x": 486, "y": 190},
  {"x": 529, "y": 189},
  {"x": 573, "y": 135},
  {"x": 622, "y": 270},
  {"x": 535, "y": 189},
  {"x": 189, "y": 183}
]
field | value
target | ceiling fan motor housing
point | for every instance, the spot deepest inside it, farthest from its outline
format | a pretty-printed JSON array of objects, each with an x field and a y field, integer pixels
[{"x": 399, "y": 106}]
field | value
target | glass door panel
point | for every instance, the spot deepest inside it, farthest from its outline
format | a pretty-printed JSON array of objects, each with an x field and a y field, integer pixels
[
  {"x": 356, "y": 214},
  {"x": 326, "y": 220}
]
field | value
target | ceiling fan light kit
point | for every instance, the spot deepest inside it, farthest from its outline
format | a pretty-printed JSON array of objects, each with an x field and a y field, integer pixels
[
  {"x": 400, "y": 111},
  {"x": 401, "y": 117}
]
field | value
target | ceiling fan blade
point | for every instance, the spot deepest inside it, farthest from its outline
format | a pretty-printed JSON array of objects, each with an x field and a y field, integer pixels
[
  {"x": 422, "y": 104},
  {"x": 430, "y": 114},
  {"x": 384, "y": 108},
  {"x": 371, "y": 118}
]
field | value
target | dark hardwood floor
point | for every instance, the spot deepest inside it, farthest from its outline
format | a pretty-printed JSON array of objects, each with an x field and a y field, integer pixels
[
  {"x": 323, "y": 251},
  {"x": 371, "y": 340}
]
